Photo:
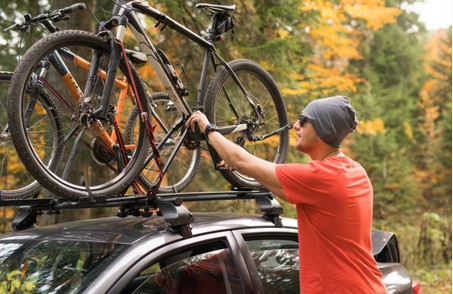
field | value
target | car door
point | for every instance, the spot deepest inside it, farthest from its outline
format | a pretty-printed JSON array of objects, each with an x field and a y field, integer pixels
[
  {"x": 272, "y": 258},
  {"x": 203, "y": 264}
]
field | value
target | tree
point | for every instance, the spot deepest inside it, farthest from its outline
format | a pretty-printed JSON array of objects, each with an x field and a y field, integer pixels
[
  {"x": 434, "y": 155},
  {"x": 336, "y": 37},
  {"x": 13, "y": 44},
  {"x": 393, "y": 75}
]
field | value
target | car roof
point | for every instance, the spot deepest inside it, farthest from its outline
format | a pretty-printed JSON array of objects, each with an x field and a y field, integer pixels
[{"x": 130, "y": 230}]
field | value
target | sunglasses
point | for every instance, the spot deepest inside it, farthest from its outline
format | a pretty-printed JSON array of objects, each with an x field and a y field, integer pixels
[{"x": 302, "y": 120}]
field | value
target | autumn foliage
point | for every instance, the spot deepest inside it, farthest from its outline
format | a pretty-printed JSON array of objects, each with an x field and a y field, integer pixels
[
  {"x": 336, "y": 34},
  {"x": 397, "y": 75},
  {"x": 434, "y": 168}
]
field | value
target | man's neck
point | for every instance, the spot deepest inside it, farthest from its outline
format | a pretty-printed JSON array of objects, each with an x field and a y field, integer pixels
[{"x": 324, "y": 152}]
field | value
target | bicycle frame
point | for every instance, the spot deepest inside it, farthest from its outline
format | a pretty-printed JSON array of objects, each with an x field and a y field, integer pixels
[
  {"x": 55, "y": 58},
  {"x": 128, "y": 10},
  {"x": 125, "y": 16}
]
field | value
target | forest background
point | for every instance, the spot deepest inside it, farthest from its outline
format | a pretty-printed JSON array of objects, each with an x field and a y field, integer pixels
[{"x": 396, "y": 73}]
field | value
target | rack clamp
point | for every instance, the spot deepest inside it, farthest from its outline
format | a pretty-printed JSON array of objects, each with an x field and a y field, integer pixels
[
  {"x": 25, "y": 218},
  {"x": 27, "y": 213},
  {"x": 266, "y": 202},
  {"x": 271, "y": 208},
  {"x": 177, "y": 215},
  {"x": 171, "y": 209}
]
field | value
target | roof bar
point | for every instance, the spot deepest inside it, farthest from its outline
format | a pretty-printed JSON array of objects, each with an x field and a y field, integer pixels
[{"x": 168, "y": 205}]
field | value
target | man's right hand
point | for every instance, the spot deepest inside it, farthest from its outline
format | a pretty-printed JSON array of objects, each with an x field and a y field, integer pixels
[{"x": 197, "y": 118}]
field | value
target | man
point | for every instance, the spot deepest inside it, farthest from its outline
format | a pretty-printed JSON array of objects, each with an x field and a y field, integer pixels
[{"x": 332, "y": 194}]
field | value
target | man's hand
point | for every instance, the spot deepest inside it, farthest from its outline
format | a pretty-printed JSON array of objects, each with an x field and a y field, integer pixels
[
  {"x": 197, "y": 118},
  {"x": 237, "y": 158}
]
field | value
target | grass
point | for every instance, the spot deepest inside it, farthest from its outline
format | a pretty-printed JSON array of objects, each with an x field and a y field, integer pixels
[{"x": 436, "y": 280}]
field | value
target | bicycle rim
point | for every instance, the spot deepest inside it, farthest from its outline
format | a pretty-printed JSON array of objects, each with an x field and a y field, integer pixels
[
  {"x": 15, "y": 180},
  {"x": 184, "y": 165},
  {"x": 93, "y": 161},
  {"x": 227, "y": 105}
]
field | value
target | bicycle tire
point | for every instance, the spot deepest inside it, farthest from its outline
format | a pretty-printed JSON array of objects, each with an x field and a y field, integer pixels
[
  {"x": 184, "y": 166},
  {"x": 88, "y": 168},
  {"x": 16, "y": 181},
  {"x": 264, "y": 91}
]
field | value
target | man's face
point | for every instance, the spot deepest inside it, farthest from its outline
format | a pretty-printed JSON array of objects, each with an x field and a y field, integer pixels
[{"x": 306, "y": 137}]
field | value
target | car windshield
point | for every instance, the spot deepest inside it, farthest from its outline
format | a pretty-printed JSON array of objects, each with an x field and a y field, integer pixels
[{"x": 53, "y": 266}]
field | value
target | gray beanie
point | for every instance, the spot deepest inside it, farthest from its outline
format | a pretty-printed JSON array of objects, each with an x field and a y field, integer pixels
[{"x": 332, "y": 118}]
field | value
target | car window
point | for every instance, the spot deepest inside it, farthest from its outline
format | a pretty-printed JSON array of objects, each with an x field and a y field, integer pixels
[
  {"x": 277, "y": 262},
  {"x": 207, "y": 268},
  {"x": 52, "y": 266}
]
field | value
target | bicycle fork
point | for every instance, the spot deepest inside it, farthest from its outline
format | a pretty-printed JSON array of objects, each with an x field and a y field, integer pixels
[{"x": 118, "y": 52}]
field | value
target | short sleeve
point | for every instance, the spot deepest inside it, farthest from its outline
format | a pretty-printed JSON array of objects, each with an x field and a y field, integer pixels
[{"x": 301, "y": 182}]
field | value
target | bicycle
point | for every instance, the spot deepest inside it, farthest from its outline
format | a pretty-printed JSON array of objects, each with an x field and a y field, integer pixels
[
  {"x": 47, "y": 20},
  {"x": 16, "y": 182},
  {"x": 262, "y": 127}
]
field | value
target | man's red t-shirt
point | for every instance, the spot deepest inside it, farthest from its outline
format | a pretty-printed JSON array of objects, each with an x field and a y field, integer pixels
[{"x": 334, "y": 203}]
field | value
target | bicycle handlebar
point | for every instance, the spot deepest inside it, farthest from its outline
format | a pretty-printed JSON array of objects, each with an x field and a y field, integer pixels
[
  {"x": 72, "y": 8},
  {"x": 54, "y": 16}
]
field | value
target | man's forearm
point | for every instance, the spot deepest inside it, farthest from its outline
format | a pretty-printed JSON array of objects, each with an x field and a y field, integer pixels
[
  {"x": 237, "y": 157},
  {"x": 234, "y": 155}
]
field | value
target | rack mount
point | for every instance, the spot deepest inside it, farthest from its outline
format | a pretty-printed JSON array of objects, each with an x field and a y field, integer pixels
[{"x": 168, "y": 205}]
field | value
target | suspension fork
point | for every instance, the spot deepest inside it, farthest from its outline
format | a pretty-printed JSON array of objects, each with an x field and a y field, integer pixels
[
  {"x": 101, "y": 112},
  {"x": 92, "y": 77}
]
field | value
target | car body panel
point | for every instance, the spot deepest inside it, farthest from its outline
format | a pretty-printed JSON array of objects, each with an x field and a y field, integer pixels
[
  {"x": 396, "y": 278},
  {"x": 148, "y": 239}
]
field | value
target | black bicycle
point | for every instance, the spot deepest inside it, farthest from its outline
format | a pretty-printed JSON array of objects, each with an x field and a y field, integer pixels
[{"x": 241, "y": 98}]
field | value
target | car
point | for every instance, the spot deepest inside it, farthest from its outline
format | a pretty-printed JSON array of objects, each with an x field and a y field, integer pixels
[{"x": 173, "y": 251}]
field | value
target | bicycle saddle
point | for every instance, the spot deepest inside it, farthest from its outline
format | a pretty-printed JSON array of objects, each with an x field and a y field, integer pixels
[{"x": 215, "y": 7}]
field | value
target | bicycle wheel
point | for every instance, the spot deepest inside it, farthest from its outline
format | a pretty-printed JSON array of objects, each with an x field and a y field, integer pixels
[
  {"x": 185, "y": 164},
  {"x": 15, "y": 181},
  {"x": 94, "y": 161},
  {"x": 227, "y": 105}
]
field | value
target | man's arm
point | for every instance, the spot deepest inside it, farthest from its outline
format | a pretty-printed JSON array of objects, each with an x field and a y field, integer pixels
[{"x": 238, "y": 158}]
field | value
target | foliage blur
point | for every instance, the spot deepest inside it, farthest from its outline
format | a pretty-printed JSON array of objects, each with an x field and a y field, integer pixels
[{"x": 396, "y": 73}]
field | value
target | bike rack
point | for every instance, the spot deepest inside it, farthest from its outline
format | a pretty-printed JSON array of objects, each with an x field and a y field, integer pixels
[{"x": 169, "y": 206}]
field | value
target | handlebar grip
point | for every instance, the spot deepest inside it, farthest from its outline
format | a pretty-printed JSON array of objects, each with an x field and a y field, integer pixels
[{"x": 77, "y": 6}]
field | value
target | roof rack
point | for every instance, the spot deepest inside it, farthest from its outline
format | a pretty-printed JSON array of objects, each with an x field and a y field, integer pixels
[{"x": 168, "y": 205}]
